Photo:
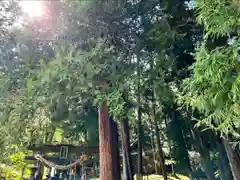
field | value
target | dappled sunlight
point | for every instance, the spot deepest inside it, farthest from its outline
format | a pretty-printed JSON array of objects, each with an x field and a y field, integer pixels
[{"x": 159, "y": 177}]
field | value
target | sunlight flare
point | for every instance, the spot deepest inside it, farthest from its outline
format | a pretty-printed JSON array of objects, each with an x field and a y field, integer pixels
[{"x": 32, "y": 8}]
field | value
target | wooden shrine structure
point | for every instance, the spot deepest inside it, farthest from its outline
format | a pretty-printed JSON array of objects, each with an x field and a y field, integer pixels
[{"x": 62, "y": 154}]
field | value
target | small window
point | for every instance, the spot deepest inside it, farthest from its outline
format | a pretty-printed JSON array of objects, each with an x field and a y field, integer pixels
[{"x": 64, "y": 152}]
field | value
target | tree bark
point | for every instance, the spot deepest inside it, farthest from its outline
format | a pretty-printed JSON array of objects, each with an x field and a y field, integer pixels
[
  {"x": 183, "y": 144},
  {"x": 222, "y": 160},
  {"x": 158, "y": 142},
  {"x": 127, "y": 161},
  {"x": 115, "y": 148},
  {"x": 234, "y": 159},
  {"x": 205, "y": 157},
  {"x": 156, "y": 167},
  {"x": 139, "y": 121},
  {"x": 108, "y": 160}
]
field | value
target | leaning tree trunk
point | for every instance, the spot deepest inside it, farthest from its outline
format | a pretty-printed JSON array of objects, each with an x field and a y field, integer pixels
[
  {"x": 234, "y": 159},
  {"x": 108, "y": 152},
  {"x": 127, "y": 161}
]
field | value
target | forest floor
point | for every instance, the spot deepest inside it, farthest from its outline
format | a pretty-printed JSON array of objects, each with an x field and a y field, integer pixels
[{"x": 158, "y": 177}]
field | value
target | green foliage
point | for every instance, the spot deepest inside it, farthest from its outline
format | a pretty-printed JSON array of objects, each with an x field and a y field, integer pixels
[
  {"x": 52, "y": 86},
  {"x": 218, "y": 17},
  {"x": 214, "y": 86},
  {"x": 15, "y": 164},
  {"x": 9, "y": 174}
]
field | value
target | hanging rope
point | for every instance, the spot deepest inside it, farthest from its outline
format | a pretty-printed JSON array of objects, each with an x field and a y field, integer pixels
[{"x": 82, "y": 159}]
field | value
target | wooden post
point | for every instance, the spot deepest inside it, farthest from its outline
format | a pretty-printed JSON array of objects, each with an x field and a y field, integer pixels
[{"x": 107, "y": 165}]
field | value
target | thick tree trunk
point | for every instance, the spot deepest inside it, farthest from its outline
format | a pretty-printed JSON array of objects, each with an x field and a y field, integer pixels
[
  {"x": 115, "y": 149},
  {"x": 205, "y": 157},
  {"x": 183, "y": 143},
  {"x": 222, "y": 160},
  {"x": 108, "y": 160},
  {"x": 127, "y": 161},
  {"x": 207, "y": 164},
  {"x": 234, "y": 159}
]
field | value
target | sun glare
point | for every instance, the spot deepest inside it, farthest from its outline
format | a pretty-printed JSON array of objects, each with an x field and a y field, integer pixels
[{"x": 33, "y": 8}]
